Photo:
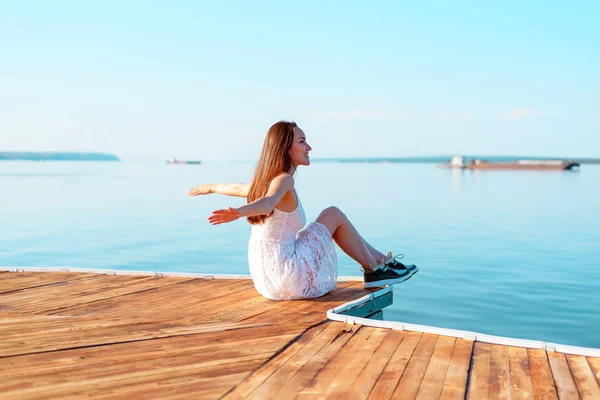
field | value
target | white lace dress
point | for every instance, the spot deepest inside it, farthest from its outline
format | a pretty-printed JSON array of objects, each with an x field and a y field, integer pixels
[{"x": 288, "y": 262}]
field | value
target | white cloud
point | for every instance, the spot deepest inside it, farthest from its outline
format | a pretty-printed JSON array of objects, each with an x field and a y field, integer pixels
[
  {"x": 359, "y": 115},
  {"x": 521, "y": 113}
]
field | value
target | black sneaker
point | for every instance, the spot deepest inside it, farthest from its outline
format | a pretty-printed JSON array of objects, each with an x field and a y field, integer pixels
[
  {"x": 384, "y": 275},
  {"x": 394, "y": 264}
]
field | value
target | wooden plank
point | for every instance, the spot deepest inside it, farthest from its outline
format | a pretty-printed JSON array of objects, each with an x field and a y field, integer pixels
[
  {"x": 321, "y": 307},
  {"x": 411, "y": 379},
  {"x": 583, "y": 377},
  {"x": 137, "y": 363},
  {"x": 500, "y": 383},
  {"x": 302, "y": 379},
  {"x": 479, "y": 383},
  {"x": 187, "y": 295},
  {"x": 13, "y": 281},
  {"x": 299, "y": 308},
  {"x": 257, "y": 310},
  {"x": 71, "y": 294},
  {"x": 242, "y": 293},
  {"x": 432, "y": 383},
  {"x": 521, "y": 386},
  {"x": 339, "y": 373},
  {"x": 565, "y": 385},
  {"x": 192, "y": 387},
  {"x": 282, "y": 375},
  {"x": 15, "y": 322},
  {"x": 205, "y": 346},
  {"x": 396, "y": 367},
  {"x": 345, "y": 291},
  {"x": 253, "y": 381},
  {"x": 55, "y": 299},
  {"x": 541, "y": 375},
  {"x": 66, "y": 288},
  {"x": 365, "y": 381},
  {"x": 47, "y": 276},
  {"x": 183, "y": 384},
  {"x": 220, "y": 292},
  {"x": 127, "y": 383},
  {"x": 75, "y": 332},
  {"x": 247, "y": 300},
  {"x": 455, "y": 384},
  {"x": 221, "y": 333},
  {"x": 160, "y": 368},
  {"x": 595, "y": 365}
]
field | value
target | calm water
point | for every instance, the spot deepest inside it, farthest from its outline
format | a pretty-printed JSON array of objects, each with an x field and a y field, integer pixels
[{"x": 509, "y": 253}]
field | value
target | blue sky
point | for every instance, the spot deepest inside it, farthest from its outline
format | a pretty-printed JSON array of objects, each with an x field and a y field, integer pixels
[{"x": 200, "y": 80}]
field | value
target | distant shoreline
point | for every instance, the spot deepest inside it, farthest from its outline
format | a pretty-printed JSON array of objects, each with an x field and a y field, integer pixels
[
  {"x": 76, "y": 156},
  {"x": 56, "y": 156}
]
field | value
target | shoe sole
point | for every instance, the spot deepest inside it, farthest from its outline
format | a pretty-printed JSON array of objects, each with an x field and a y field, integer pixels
[
  {"x": 413, "y": 274},
  {"x": 387, "y": 282}
]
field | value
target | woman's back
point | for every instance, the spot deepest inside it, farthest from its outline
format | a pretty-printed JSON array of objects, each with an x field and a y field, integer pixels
[
  {"x": 282, "y": 226},
  {"x": 287, "y": 262}
]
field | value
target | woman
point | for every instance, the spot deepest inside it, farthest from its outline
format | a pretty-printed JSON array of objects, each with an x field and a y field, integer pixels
[{"x": 287, "y": 260}]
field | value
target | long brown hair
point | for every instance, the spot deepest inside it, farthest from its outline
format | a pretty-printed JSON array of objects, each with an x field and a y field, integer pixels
[{"x": 274, "y": 159}]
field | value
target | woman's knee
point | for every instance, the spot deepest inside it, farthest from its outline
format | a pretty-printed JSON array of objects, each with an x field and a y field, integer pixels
[
  {"x": 332, "y": 218},
  {"x": 334, "y": 213}
]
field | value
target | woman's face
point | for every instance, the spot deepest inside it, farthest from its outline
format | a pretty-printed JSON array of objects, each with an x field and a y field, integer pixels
[{"x": 299, "y": 150}]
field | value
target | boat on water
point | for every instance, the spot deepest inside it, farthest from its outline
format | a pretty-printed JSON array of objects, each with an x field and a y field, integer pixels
[
  {"x": 176, "y": 161},
  {"x": 542, "y": 165}
]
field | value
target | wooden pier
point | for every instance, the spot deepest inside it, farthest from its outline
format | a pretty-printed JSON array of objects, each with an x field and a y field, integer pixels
[{"x": 75, "y": 335}]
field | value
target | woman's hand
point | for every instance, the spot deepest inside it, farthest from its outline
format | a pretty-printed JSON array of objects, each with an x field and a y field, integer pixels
[
  {"x": 200, "y": 190},
  {"x": 223, "y": 216}
]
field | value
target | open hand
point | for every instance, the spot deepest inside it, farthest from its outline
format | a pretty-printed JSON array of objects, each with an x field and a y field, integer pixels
[
  {"x": 202, "y": 189},
  {"x": 223, "y": 216}
]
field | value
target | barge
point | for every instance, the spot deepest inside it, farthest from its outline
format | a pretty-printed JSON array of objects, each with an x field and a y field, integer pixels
[{"x": 544, "y": 165}]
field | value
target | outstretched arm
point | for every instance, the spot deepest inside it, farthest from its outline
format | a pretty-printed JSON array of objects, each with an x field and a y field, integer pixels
[
  {"x": 263, "y": 206},
  {"x": 228, "y": 189}
]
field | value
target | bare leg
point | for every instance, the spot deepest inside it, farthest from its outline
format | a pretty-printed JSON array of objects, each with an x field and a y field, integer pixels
[
  {"x": 377, "y": 255},
  {"x": 348, "y": 238}
]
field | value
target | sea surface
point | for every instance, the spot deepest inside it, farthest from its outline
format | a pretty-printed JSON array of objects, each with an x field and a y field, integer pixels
[{"x": 510, "y": 253}]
